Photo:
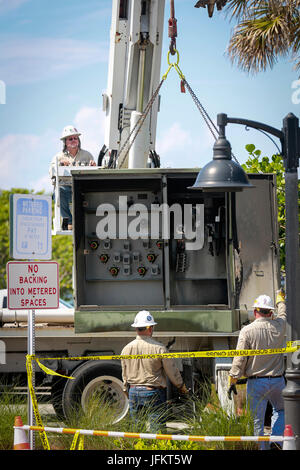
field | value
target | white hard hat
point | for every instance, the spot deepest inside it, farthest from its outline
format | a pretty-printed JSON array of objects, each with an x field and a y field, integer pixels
[
  {"x": 264, "y": 301},
  {"x": 68, "y": 131},
  {"x": 143, "y": 319}
]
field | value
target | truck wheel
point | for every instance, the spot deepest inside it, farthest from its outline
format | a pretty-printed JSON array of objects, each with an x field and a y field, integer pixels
[
  {"x": 91, "y": 378},
  {"x": 57, "y": 388}
]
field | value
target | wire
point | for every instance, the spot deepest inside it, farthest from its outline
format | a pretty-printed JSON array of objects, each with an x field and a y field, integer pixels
[{"x": 267, "y": 135}]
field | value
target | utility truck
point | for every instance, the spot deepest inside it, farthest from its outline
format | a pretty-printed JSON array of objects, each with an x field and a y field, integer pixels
[{"x": 143, "y": 239}]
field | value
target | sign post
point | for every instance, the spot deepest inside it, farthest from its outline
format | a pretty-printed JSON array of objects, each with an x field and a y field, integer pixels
[
  {"x": 30, "y": 238},
  {"x": 31, "y": 352},
  {"x": 30, "y": 286}
]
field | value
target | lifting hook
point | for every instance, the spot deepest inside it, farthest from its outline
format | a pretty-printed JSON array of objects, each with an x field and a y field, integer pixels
[{"x": 172, "y": 28}]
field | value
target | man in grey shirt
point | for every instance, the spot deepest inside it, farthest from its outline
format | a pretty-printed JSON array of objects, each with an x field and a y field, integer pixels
[
  {"x": 146, "y": 379},
  {"x": 265, "y": 373}
]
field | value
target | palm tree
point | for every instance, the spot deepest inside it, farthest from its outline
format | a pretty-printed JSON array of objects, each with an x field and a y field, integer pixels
[{"x": 265, "y": 30}]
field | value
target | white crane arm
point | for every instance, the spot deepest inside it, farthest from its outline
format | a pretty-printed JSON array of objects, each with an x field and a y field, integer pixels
[{"x": 134, "y": 74}]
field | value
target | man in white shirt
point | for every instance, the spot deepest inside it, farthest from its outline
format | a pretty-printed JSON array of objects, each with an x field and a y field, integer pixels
[{"x": 71, "y": 155}]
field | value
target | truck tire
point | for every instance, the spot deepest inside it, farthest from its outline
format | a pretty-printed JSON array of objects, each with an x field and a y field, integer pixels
[
  {"x": 91, "y": 377},
  {"x": 57, "y": 388}
]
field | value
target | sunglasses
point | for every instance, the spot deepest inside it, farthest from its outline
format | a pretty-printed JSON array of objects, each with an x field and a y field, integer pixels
[
  {"x": 72, "y": 138},
  {"x": 264, "y": 311}
]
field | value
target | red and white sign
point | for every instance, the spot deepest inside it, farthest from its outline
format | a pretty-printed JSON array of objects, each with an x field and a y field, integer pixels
[{"x": 32, "y": 285}]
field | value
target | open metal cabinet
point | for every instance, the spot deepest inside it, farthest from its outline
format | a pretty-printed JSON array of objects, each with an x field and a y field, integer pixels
[{"x": 143, "y": 239}]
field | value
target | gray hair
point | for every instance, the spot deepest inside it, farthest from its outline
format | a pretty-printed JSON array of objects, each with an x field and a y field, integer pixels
[{"x": 65, "y": 145}]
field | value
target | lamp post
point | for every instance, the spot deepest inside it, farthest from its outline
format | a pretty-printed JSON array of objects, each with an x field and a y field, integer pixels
[{"x": 222, "y": 174}]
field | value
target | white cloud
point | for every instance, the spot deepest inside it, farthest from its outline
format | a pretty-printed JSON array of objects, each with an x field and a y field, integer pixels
[
  {"x": 29, "y": 60},
  {"x": 90, "y": 121},
  {"x": 173, "y": 138},
  {"x": 25, "y": 158},
  {"x": 180, "y": 148},
  {"x": 42, "y": 184}
]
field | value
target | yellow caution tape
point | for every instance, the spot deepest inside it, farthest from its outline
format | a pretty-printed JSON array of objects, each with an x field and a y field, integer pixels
[
  {"x": 291, "y": 346},
  {"x": 47, "y": 370},
  {"x": 75, "y": 439},
  {"x": 38, "y": 418}
]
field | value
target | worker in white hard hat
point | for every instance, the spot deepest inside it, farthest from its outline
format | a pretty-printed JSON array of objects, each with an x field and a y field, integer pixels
[
  {"x": 145, "y": 380},
  {"x": 71, "y": 155},
  {"x": 265, "y": 373}
]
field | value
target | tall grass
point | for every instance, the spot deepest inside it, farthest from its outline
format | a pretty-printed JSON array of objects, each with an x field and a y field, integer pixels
[
  {"x": 208, "y": 418},
  {"x": 212, "y": 420},
  {"x": 9, "y": 408}
]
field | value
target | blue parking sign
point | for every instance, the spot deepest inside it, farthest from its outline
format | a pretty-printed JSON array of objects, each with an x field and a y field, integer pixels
[{"x": 30, "y": 222}]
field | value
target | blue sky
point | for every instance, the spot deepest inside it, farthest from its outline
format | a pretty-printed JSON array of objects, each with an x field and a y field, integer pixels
[{"x": 54, "y": 64}]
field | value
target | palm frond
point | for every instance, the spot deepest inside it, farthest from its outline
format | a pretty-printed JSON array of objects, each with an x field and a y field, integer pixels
[{"x": 270, "y": 30}]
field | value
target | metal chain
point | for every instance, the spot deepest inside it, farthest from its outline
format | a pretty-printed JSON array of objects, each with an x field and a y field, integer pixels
[
  {"x": 210, "y": 124},
  {"x": 204, "y": 114},
  {"x": 139, "y": 124}
]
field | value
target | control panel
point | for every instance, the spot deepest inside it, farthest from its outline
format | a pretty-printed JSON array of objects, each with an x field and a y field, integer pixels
[{"x": 146, "y": 239}]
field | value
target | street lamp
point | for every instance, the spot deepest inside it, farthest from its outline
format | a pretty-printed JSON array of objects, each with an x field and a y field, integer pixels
[{"x": 222, "y": 174}]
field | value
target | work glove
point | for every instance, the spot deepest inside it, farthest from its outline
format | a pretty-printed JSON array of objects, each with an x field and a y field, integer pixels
[
  {"x": 280, "y": 297},
  {"x": 231, "y": 387},
  {"x": 183, "y": 390}
]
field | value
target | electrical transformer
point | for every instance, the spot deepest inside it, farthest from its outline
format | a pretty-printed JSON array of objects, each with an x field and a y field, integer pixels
[{"x": 143, "y": 239}]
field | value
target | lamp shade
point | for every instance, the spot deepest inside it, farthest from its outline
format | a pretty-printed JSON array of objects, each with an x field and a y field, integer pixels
[{"x": 222, "y": 173}]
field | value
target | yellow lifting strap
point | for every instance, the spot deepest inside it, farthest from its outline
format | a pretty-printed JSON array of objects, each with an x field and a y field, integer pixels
[{"x": 175, "y": 65}]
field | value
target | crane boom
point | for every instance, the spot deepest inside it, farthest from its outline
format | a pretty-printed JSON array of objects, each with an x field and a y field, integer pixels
[{"x": 134, "y": 73}]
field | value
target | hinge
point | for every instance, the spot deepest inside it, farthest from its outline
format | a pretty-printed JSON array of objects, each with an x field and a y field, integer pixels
[{"x": 124, "y": 117}]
